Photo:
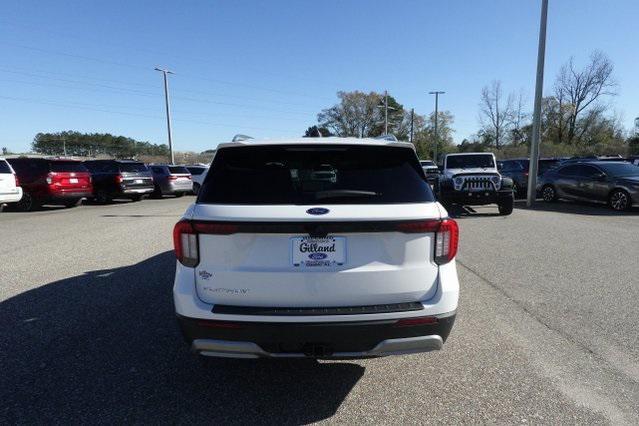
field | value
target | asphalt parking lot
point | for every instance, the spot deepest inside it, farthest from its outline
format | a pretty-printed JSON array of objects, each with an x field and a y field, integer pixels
[{"x": 546, "y": 330}]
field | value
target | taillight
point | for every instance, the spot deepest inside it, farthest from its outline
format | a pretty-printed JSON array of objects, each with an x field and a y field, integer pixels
[
  {"x": 446, "y": 241},
  {"x": 172, "y": 177},
  {"x": 186, "y": 244},
  {"x": 185, "y": 238},
  {"x": 217, "y": 228},
  {"x": 446, "y": 236},
  {"x": 15, "y": 176},
  {"x": 119, "y": 179}
]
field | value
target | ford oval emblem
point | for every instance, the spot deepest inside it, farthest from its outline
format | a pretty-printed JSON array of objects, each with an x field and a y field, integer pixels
[
  {"x": 317, "y": 256},
  {"x": 317, "y": 211}
]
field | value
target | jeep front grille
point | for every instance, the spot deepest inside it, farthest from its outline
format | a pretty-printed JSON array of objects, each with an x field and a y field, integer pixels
[{"x": 476, "y": 183}]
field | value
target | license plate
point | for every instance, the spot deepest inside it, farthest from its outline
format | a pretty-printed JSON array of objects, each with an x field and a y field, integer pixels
[
  {"x": 311, "y": 252},
  {"x": 73, "y": 180},
  {"x": 139, "y": 181}
]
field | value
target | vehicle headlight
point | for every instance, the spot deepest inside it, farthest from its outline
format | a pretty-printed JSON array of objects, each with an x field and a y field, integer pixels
[{"x": 458, "y": 181}]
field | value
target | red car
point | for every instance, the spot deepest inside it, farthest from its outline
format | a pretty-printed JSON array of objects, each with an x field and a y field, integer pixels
[{"x": 51, "y": 181}]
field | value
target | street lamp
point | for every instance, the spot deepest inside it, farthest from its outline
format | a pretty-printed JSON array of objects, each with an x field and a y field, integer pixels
[{"x": 436, "y": 93}]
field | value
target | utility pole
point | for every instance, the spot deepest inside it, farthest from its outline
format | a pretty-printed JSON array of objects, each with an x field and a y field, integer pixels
[
  {"x": 534, "y": 145},
  {"x": 386, "y": 108},
  {"x": 385, "y": 112},
  {"x": 412, "y": 121},
  {"x": 168, "y": 109},
  {"x": 436, "y": 93}
]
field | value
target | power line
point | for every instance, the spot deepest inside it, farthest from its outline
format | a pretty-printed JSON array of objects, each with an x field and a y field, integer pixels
[
  {"x": 154, "y": 95},
  {"x": 158, "y": 117},
  {"x": 140, "y": 67},
  {"x": 158, "y": 52}
]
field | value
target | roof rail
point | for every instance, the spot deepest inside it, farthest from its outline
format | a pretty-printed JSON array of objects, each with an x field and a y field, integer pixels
[
  {"x": 240, "y": 138},
  {"x": 389, "y": 137}
]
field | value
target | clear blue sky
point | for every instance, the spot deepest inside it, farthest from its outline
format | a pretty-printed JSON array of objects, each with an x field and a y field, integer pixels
[{"x": 266, "y": 68}]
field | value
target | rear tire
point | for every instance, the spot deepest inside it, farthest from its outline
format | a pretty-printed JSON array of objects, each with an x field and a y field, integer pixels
[
  {"x": 101, "y": 197},
  {"x": 157, "y": 192},
  {"x": 27, "y": 203},
  {"x": 548, "y": 194},
  {"x": 517, "y": 191},
  {"x": 505, "y": 205},
  {"x": 619, "y": 200},
  {"x": 179, "y": 194}
]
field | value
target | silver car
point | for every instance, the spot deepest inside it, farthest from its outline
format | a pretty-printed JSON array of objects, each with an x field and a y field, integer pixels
[{"x": 170, "y": 179}]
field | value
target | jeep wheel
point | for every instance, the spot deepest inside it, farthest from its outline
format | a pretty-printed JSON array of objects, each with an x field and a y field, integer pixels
[
  {"x": 505, "y": 205},
  {"x": 548, "y": 193},
  {"x": 619, "y": 200}
]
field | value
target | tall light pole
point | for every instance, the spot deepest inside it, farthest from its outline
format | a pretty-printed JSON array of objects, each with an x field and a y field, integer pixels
[
  {"x": 168, "y": 109},
  {"x": 412, "y": 124},
  {"x": 534, "y": 145},
  {"x": 436, "y": 93}
]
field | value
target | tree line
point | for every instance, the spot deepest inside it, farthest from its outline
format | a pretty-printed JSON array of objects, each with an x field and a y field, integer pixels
[
  {"x": 79, "y": 144},
  {"x": 577, "y": 118}
]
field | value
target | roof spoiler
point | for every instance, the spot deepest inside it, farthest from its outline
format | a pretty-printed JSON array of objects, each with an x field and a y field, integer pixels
[
  {"x": 240, "y": 138},
  {"x": 389, "y": 137}
]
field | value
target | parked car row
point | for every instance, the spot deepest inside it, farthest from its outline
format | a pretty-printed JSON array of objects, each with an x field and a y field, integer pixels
[
  {"x": 611, "y": 180},
  {"x": 27, "y": 183}
]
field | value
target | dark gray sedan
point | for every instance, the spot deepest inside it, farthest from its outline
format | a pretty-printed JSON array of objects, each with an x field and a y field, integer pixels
[{"x": 606, "y": 182}]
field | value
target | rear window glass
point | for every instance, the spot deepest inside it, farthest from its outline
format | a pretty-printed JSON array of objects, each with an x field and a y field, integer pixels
[
  {"x": 470, "y": 161},
  {"x": 67, "y": 166},
  {"x": 4, "y": 167},
  {"x": 620, "y": 169},
  {"x": 196, "y": 170},
  {"x": 133, "y": 167},
  {"x": 178, "y": 169},
  {"x": 301, "y": 174}
]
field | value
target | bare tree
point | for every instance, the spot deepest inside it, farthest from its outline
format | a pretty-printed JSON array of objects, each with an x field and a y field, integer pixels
[
  {"x": 495, "y": 113},
  {"x": 582, "y": 88},
  {"x": 519, "y": 119}
]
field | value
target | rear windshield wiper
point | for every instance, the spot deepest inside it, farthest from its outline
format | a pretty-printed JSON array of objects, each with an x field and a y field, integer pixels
[{"x": 336, "y": 193}]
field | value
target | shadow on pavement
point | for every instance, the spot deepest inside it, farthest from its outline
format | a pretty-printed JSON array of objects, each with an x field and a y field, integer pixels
[
  {"x": 575, "y": 207},
  {"x": 104, "y": 347}
]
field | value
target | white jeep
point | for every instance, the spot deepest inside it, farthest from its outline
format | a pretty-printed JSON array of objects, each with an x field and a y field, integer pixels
[
  {"x": 307, "y": 248},
  {"x": 473, "y": 179}
]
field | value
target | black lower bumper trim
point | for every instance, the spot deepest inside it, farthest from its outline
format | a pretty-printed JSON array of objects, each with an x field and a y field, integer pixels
[
  {"x": 346, "y": 310},
  {"x": 350, "y": 336}
]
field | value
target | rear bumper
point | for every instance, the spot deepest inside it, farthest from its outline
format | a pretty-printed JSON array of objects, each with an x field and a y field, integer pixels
[
  {"x": 173, "y": 188},
  {"x": 137, "y": 191},
  {"x": 67, "y": 195},
  {"x": 476, "y": 197},
  {"x": 352, "y": 339},
  {"x": 11, "y": 197}
]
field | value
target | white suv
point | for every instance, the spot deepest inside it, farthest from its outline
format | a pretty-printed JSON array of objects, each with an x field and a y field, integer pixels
[
  {"x": 315, "y": 248},
  {"x": 10, "y": 191}
]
